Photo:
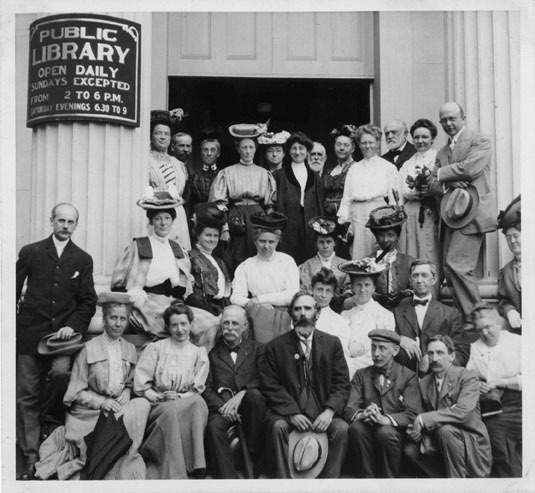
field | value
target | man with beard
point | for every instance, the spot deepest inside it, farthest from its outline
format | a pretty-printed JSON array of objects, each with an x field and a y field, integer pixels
[
  {"x": 305, "y": 379},
  {"x": 399, "y": 148},
  {"x": 318, "y": 158},
  {"x": 181, "y": 147}
]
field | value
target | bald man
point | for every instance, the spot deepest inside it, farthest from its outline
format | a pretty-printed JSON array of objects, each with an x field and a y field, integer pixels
[
  {"x": 399, "y": 148},
  {"x": 465, "y": 160}
]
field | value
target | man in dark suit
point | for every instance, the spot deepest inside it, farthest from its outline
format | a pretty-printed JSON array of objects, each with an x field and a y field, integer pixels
[
  {"x": 464, "y": 161},
  {"x": 384, "y": 399},
  {"x": 234, "y": 365},
  {"x": 420, "y": 317},
  {"x": 305, "y": 379},
  {"x": 60, "y": 297},
  {"x": 399, "y": 148},
  {"x": 452, "y": 424}
]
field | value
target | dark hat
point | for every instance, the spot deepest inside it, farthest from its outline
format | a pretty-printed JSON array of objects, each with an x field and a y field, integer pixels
[
  {"x": 114, "y": 297},
  {"x": 364, "y": 267},
  {"x": 459, "y": 206},
  {"x": 210, "y": 215},
  {"x": 49, "y": 345},
  {"x": 385, "y": 336},
  {"x": 170, "y": 118},
  {"x": 325, "y": 226},
  {"x": 307, "y": 453},
  {"x": 247, "y": 130},
  {"x": 510, "y": 217},
  {"x": 160, "y": 198},
  {"x": 271, "y": 221},
  {"x": 347, "y": 130},
  {"x": 386, "y": 217}
]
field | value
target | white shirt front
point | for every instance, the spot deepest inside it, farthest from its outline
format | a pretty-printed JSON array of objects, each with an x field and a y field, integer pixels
[
  {"x": 60, "y": 245},
  {"x": 162, "y": 259},
  {"x": 421, "y": 310},
  {"x": 300, "y": 172}
]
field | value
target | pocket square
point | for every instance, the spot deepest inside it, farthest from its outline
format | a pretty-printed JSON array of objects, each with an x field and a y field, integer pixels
[{"x": 75, "y": 275}]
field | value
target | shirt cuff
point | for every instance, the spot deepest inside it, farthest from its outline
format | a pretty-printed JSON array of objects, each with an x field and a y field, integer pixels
[{"x": 392, "y": 420}]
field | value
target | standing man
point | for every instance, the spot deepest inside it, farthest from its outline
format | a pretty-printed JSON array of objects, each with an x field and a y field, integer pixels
[
  {"x": 461, "y": 180},
  {"x": 181, "y": 147},
  {"x": 399, "y": 148},
  {"x": 305, "y": 379},
  {"x": 420, "y": 317},
  {"x": 452, "y": 425},
  {"x": 234, "y": 366},
  {"x": 60, "y": 298},
  {"x": 317, "y": 158},
  {"x": 384, "y": 399}
]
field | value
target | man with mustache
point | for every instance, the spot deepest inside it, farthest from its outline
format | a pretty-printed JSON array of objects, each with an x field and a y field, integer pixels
[
  {"x": 399, "y": 148},
  {"x": 305, "y": 379}
]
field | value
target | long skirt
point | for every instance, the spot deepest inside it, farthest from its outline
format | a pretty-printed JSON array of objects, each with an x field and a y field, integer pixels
[
  {"x": 267, "y": 322},
  {"x": 363, "y": 239},
  {"x": 174, "y": 443}
]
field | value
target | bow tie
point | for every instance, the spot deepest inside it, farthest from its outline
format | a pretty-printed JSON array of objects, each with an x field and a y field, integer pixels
[
  {"x": 395, "y": 153},
  {"x": 234, "y": 349},
  {"x": 384, "y": 370},
  {"x": 212, "y": 167},
  {"x": 418, "y": 301}
]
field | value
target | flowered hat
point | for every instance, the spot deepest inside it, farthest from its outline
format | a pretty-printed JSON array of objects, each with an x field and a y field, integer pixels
[
  {"x": 325, "y": 226},
  {"x": 271, "y": 138},
  {"x": 346, "y": 130},
  {"x": 364, "y": 267},
  {"x": 386, "y": 217}
]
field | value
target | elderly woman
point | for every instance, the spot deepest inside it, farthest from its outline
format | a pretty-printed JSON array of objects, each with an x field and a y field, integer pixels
[
  {"x": 326, "y": 233},
  {"x": 211, "y": 287},
  {"x": 171, "y": 374},
  {"x": 264, "y": 284},
  {"x": 367, "y": 315},
  {"x": 166, "y": 170},
  {"x": 155, "y": 270},
  {"x": 368, "y": 184},
  {"x": 273, "y": 147},
  {"x": 101, "y": 380},
  {"x": 496, "y": 358},
  {"x": 299, "y": 197},
  {"x": 244, "y": 188},
  {"x": 419, "y": 237},
  {"x": 510, "y": 279}
]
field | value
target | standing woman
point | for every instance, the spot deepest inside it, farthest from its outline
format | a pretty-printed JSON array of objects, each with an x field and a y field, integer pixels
[
  {"x": 244, "y": 188},
  {"x": 273, "y": 146},
  {"x": 369, "y": 183},
  {"x": 419, "y": 237},
  {"x": 299, "y": 197},
  {"x": 171, "y": 374},
  {"x": 167, "y": 171}
]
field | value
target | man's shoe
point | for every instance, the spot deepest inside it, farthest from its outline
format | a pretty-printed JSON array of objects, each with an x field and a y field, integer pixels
[{"x": 29, "y": 473}]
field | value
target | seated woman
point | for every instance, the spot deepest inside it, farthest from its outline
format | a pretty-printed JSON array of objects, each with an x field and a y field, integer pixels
[
  {"x": 496, "y": 358},
  {"x": 264, "y": 284},
  {"x": 326, "y": 233},
  {"x": 101, "y": 380},
  {"x": 367, "y": 314},
  {"x": 171, "y": 374},
  {"x": 211, "y": 286},
  {"x": 510, "y": 280},
  {"x": 155, "y": 270}
]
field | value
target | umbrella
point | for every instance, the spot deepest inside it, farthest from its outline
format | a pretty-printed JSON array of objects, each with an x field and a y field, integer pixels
[{"x": 105, "y": 444}]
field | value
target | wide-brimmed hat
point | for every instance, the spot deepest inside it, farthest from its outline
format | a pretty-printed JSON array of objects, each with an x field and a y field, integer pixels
[
  {"x": 385, "y": 336},
  {"x": 510, "y": 217},
  {"x": 386, "y": 217},
  {"x": 50, "y": 345},
  {"x": 459, "y": 206},
  {"x": 271, "y": 138},
  {"x": 210, "y": 214},
  {"x": 170, "y": 118},
  {"x": 247, "y": 130},
  {"x": 364, "y": 267},
  {"x": 114, "y": 297},
  {"x": 346, "y": 130},
  {"x": 325, "y": 226},
  {"x": 307, "y": 453},
  {"x": 271, "y": 221},
  {"x": 160, "y": 198}
]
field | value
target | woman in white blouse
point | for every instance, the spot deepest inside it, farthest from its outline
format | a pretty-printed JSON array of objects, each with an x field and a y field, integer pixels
[
  {"x": 368, "y": 183},
  {"x": 419, "y": 237},
  {"x": 171, "y": 375},
  {"x": 264, "y": 284}
]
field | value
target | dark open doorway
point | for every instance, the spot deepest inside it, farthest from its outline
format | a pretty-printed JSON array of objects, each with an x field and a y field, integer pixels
[{"x": 314, "y": 106}]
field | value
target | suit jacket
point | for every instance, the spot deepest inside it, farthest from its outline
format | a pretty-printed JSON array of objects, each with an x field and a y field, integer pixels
[
  {"x": 439, "y": 319},
  {"x": 60, "y": 292},
  {"x": 458, "y": 405},
  {"x": 408, "y": 151},
  {"x": 282, "y": 373},
  {"x": 469, "y": 161},
  {"x": 509, "y": 290},
  {"x": 288, "y": 202},
  {"x": 399, "y": 397},
  {"x": 224, "y": 373}
]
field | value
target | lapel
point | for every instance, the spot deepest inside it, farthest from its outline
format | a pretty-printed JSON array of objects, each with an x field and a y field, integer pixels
[
  {"x": 297, "y": 355},
  {"x": 447, "y": 384},
  {"x": 431, "y": 313},
  {"x": 409, "y": 313},
  {"x": 317, "y": 344},
  {"x": 224, "y": 355},
  {"x": 242, "y": 354},
  {"x": 293, "y": 180},
  {"x": 431, "y": 390},
  {"x": 67, "y": 252},
  {"x": 461, "y": 146},
  {"x": 50, "y": 249}
]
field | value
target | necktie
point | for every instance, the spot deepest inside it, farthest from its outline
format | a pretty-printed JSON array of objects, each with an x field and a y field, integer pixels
[{"x": 418, "y": 301}]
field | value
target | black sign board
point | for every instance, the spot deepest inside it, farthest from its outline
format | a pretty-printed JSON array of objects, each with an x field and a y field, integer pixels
[{"x": 84, "y": 67}]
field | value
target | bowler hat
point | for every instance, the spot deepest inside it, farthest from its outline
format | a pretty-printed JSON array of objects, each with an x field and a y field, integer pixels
[
  {"x": 307, "y": 453},
  {"x": 271, "y": 221},
  {"x": 459, "y": 206},
  {"x": 386, "y": 217},
  {"x": 50, "y": 345},
  {"x": 510, "y": 217},
  {"x": 385, "y": 336},
  {"x": 364, "y": 267}
]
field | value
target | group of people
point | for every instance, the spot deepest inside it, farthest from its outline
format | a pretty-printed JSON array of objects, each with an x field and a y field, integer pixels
[{"x": 291, "y": 308}]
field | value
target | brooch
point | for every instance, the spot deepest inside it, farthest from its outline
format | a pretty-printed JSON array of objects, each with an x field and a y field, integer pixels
[{"x": 296, "y": 356}]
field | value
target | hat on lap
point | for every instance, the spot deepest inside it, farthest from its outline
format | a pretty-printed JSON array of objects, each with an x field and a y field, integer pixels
[{"x": 307, "y": 453}]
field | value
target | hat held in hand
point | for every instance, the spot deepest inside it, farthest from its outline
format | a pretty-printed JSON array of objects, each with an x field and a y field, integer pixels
[
  {"x": 50, "y": 345},
  {"x": 459, "y": 206},
  {"x": 307, "y": 453}
]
